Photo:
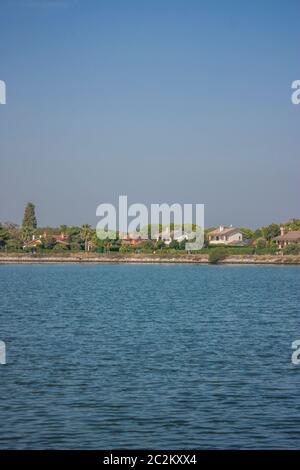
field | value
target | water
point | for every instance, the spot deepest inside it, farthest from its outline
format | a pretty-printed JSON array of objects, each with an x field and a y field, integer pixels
[{"x": 148, "y": 356}]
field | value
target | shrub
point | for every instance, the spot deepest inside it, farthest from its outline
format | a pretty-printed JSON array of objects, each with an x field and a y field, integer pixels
[
  {"x": 174, "y": 244},
  {"x": 126, "y": 249},
  {"x": 217, "y": 254},
  {"x": 269, "y": 250},
  {"x": 60, "y": 247},
  {"x": 14, "y": 245},
  {"x": 75, "y": 246},
  {"x": 292, "y": 249}
]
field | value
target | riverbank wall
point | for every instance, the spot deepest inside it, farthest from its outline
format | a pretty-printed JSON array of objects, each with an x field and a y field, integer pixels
[{"x": 22, "y": 258}]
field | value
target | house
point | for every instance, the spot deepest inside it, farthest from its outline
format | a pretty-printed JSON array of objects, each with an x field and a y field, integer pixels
[
  {"x": 62, "y": 239},
  {"x": 286, "y": 238},
  {"x": 131, "y": 239},
  {"x": 33, "y": 243},
  {"x": 226, "y": 236},
  {"x": 168, "y": 236}
]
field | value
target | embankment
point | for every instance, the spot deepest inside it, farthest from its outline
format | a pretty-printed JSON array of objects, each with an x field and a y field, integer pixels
[{"x": 20, "y": 258}]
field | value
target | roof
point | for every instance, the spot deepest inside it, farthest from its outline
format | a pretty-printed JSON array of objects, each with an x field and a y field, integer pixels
[
  {"x": 292, "y": 235},
  {"x": 61, "y": 237},
  {"x": 174, "y": 234},
  {"x": 225, "y": 231},
  {"x": 36, "y": 241}
]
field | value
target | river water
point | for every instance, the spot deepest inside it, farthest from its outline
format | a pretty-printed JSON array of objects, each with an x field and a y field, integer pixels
[{"x": 149, "y": 356}]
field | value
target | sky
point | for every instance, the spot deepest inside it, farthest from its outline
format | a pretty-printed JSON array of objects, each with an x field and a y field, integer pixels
[{"x": 185, "y": 101}]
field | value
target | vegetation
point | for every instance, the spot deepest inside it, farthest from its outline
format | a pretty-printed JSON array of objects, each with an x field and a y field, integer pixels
[
  {"x": 261, "y": 243},
  {"x": 292, "y": 249},
  {"x": 217, "y": 254},
  {"x": 29, "y": 219},
  {"x": 28, "y": 237}
]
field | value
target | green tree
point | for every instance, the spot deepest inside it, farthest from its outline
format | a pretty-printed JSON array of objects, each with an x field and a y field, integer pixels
[
  {"x": 49, "y": 242},
  {"x": 247, "y": 232},
  {"x": 258, "y": 233},
  {"x": 271, "y": 231},
  {"x": 4, "y": 236},
  {"x": 293, "y": 224},
  {"x": 29, "y": 219},
  {"x": 63, "y": 229},
  {"x": 26, "y": 233},
  {"x": 86, "y": 234}
]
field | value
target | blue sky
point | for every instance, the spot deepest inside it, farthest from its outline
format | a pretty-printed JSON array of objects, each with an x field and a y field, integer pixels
[{"x": 164, "y": 101}]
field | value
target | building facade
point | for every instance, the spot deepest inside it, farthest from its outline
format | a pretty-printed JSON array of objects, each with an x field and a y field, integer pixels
[{"x": 225, "y": 236}]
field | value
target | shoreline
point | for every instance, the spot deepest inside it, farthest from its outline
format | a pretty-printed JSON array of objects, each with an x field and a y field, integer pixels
[{"x": 142, "y": 258}]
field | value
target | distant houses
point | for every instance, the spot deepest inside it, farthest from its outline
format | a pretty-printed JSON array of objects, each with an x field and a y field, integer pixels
[
  {"x": 287, "y": 238},
  {"x": 131, "y": 239},
  {"x": 223, "y": 235},
  {"x": 33, "y": 243},
  {"x": 167, "y": 236},
  {"x": 61, "y": 239},
  {"x": 226, "y": 236}
]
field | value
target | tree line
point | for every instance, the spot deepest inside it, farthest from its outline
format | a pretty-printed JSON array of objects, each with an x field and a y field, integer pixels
[{"x": 84, "y": 238}]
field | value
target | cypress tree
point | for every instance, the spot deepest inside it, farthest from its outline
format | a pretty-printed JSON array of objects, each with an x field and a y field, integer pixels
[{"x": 29, "y": 219}]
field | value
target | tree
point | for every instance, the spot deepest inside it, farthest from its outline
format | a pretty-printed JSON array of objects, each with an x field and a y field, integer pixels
[
  {"x": 49, "y": 242},
  {"x": 258, "y": 233},
  {"x": 85, "y": 234},
  {"x": 26, "y": 233},
  {"x": 29, "y": 219},
  {"x": 247, "y": 232},
  {"x": 271, "y": 231},
  {"x": 4, "y": 236},
  {"x": 293, "y": 224},
  {"x": 63, "y": 229}
]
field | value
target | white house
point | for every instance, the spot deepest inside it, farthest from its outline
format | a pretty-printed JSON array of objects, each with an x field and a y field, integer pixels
[
  {"x": 168, "y": 236},
  {"x": 225, "y": 236}
]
